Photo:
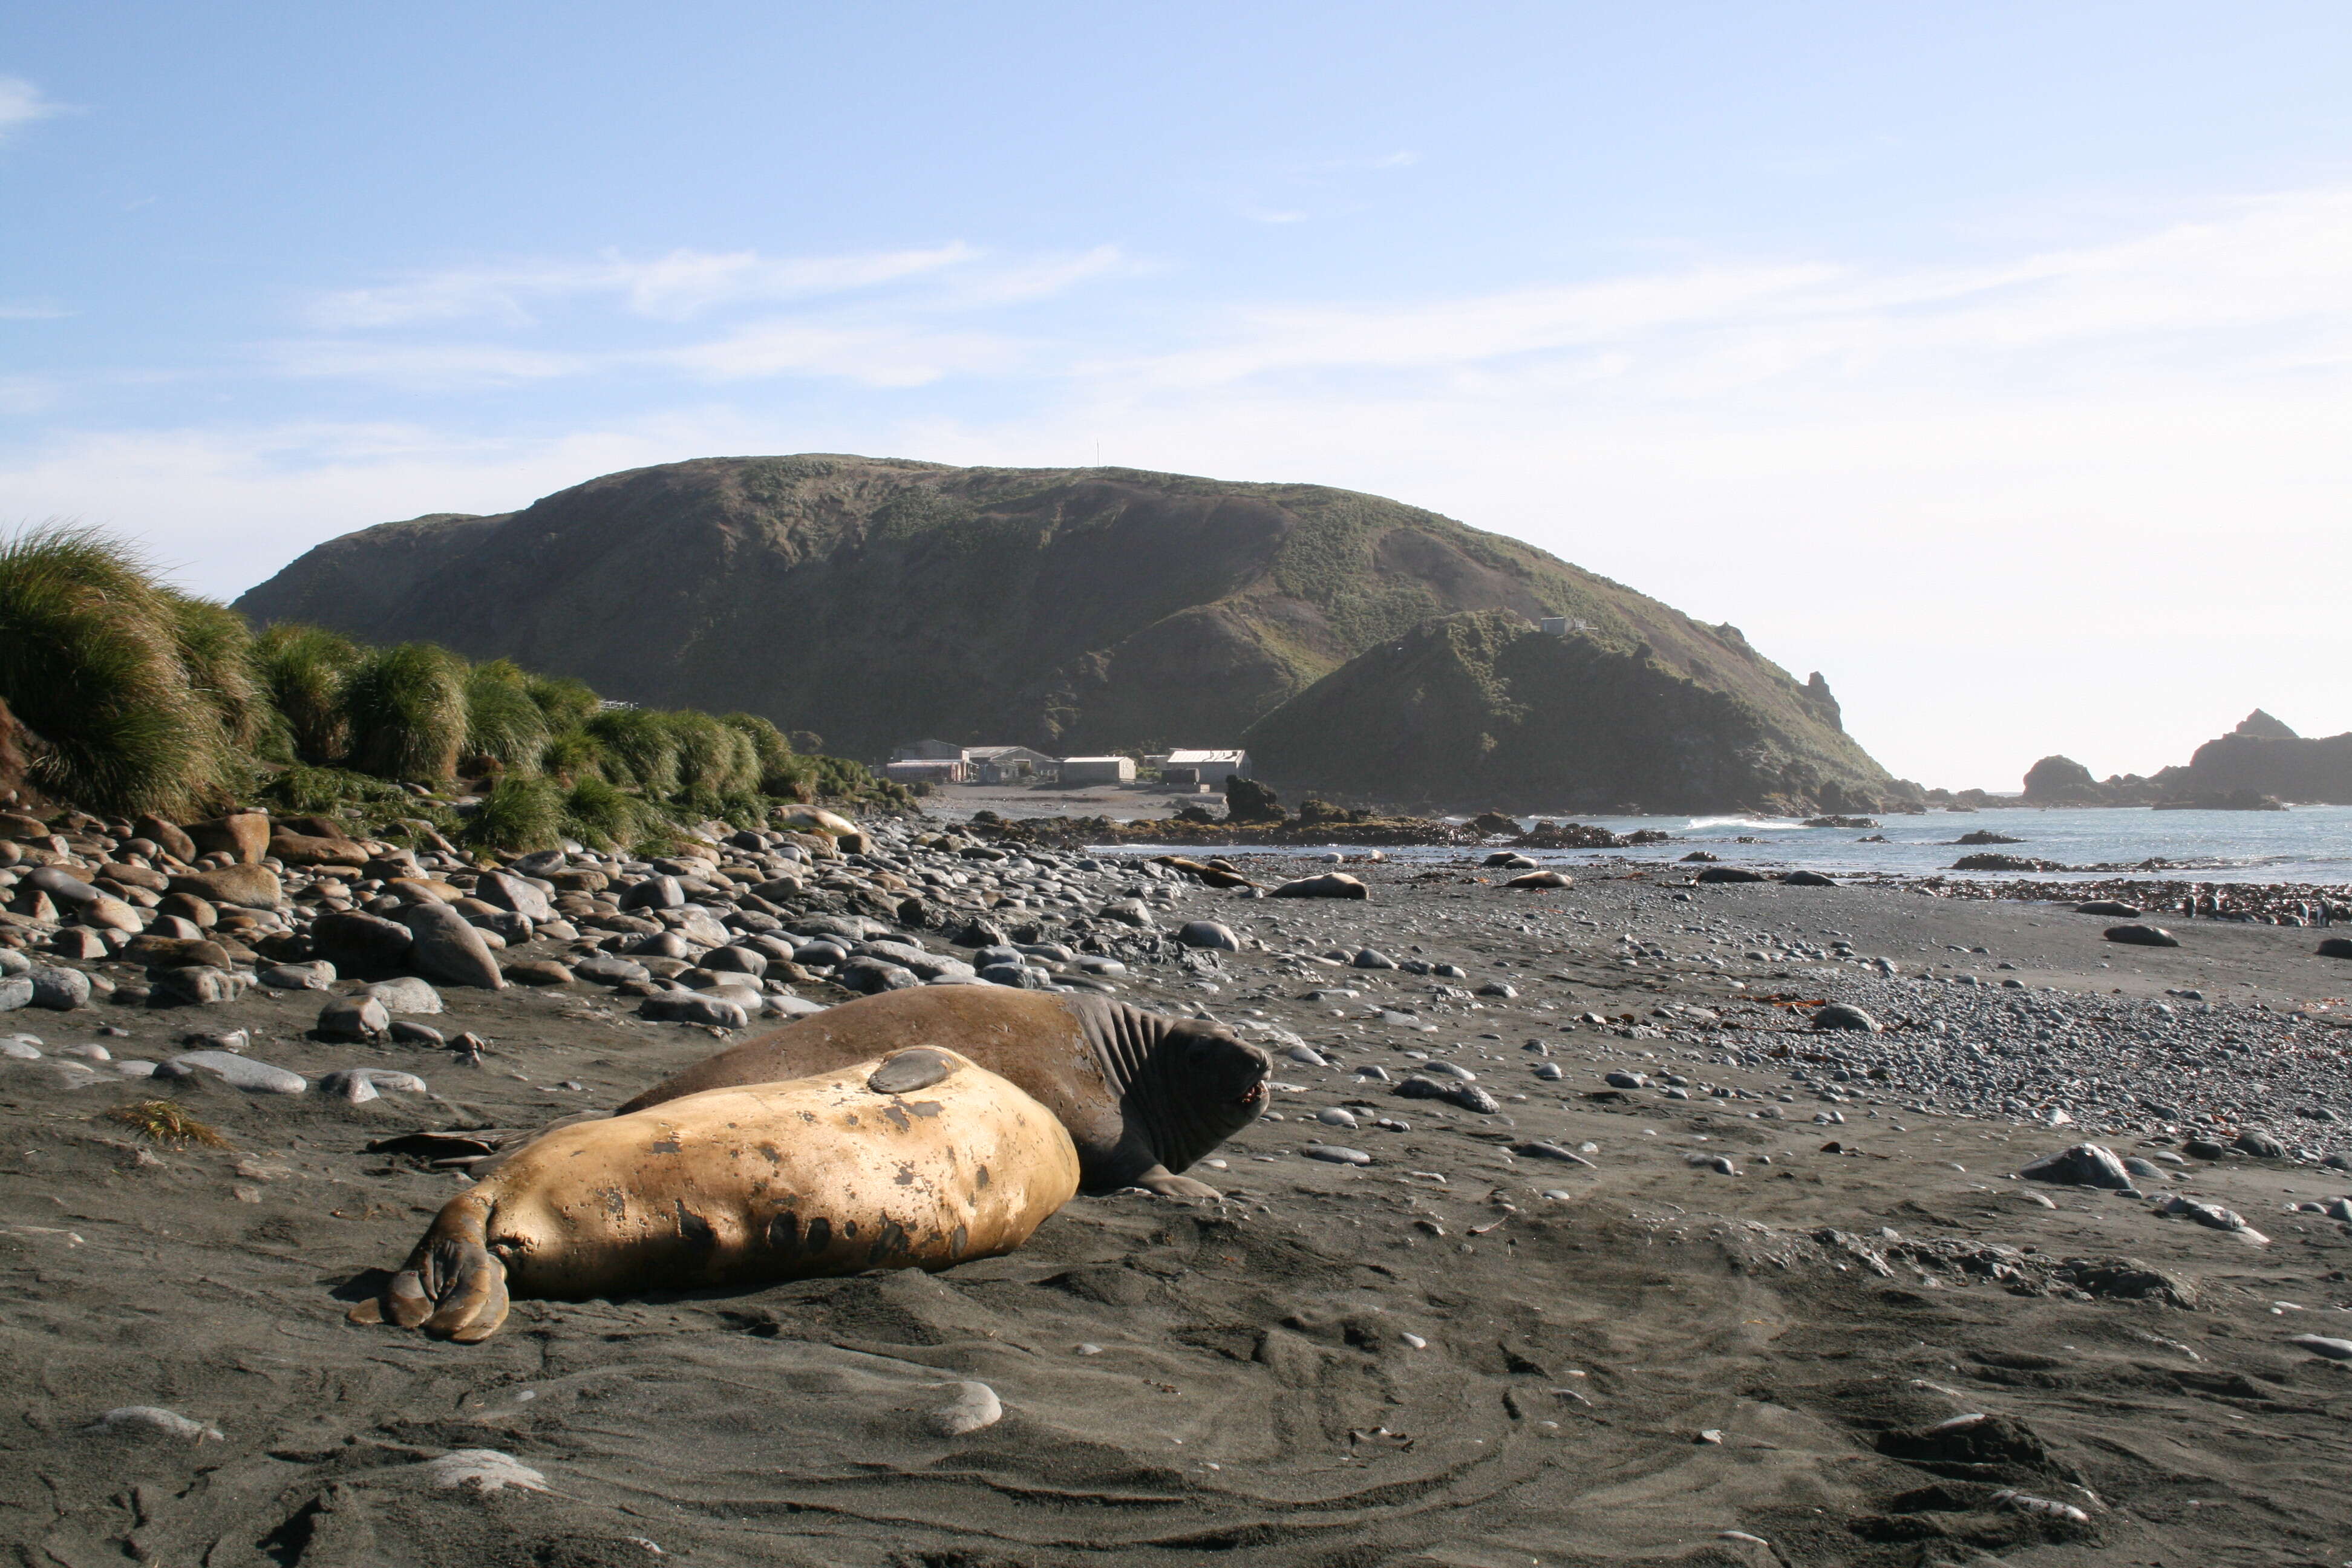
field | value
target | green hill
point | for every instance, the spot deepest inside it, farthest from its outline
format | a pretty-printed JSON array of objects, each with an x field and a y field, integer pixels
[
  {"x": 1482, "y": 709},
  {"x": 875, "y": 600}
]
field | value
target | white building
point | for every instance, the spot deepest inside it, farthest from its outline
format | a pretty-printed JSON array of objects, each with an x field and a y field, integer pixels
[
  {"x": 1212, "y": 768},
  {"x": 1097, "y": 770}
]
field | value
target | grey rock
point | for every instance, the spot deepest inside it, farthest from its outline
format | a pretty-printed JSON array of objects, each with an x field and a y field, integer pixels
[
  {"x": 1374, "y": 1072},
  {"x": 2326, "y": 1345},
  {"x": 695, "y": 1007},
  {"x": 1549, "y": 1071},
  {"x": 1499, "y": 988},
  {"x": 317, "y": 975},
  {"x": 360, "y": 1085},
  {"x": 1621, "y": 1080},
  {"x": 2083, "y": 1165},
  {"x": 361, "y": 1017},
  {"x": 1841, "y": 1016},
  {"x": 736, "y": 959},
  {"x": 237, "y": 1072},
  {"x": 1368, "y": 958},
  {"x": 59, "y": 989},
  {"x": 1334, "y": 1116},
  {"x": 200, "y": 985},
  {"x": 1450, "y": 1069},
  {"x": 154, "y": 1420},
  {"x": 357, "y": 942},
  {"x": 405, "y": 994},
  {"x": 605, "y": 969},
  {"x": 412, "y": 1034},
  {"x": 514, "y": 894},
  {"x": 874, "y": 976},
  {"x": 1332, "y": 1153},
  {"x": 1209, "y": 934},
  {"x": 1468, "y": 1095},
  {"x": 15, "y": 990},
  {"x": 20, "y": 1047},
  {"x": 448, "y": 950},
  {"x": 1538, "y": 1150},
  {"x": 1127, "y": 911},
  {"x": 653, "y": 893},
  {"x": 1018, "y": 975},
  {"x": 969, "y": 1407},
  {"x": 2260, "y": 1145}
]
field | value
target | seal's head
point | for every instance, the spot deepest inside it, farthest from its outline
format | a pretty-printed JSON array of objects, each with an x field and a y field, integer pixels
[{"x": 1203, "y": 1085}]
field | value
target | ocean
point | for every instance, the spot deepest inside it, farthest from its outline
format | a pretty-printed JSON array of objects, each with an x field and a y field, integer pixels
[{"x": 2308, "y": 844}]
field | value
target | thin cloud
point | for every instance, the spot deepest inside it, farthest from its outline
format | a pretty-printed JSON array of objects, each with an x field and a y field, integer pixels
[
  {"x": 21, "y": 103},
  {"x": 676, "y": 287}
]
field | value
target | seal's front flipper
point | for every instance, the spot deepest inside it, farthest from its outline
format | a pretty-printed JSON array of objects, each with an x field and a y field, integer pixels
[
  {"x": 1169, "y": 1185},
  {"x": 904, "y": 1072}
]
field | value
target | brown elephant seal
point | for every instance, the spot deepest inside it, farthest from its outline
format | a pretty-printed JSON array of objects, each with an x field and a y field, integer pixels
[
  {"x": 1143, "y": 1094},
  {"x": 919, "y": 1160}
]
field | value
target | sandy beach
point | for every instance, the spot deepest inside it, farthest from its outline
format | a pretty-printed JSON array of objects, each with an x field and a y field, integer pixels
[{"x": 1466, "y": 1352}]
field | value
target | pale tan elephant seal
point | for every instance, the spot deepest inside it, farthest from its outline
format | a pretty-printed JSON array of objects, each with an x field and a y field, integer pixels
[
  {"x": 1144, "y": 1094},
  {"x": 918, "y": 1160}
]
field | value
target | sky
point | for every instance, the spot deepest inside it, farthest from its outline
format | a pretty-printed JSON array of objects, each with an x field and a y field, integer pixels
[{"x": 1995, "y": 361}]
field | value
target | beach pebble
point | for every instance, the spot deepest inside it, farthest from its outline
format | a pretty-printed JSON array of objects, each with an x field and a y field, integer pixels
[
  {"x": 1332, "y": 1153},
  {"x": 1452, "y": 1070},
  {"x": 1468, "y": 1095},
  {"x": 1332, "y": 1116},
  {"x": 406, "y": 994},
  {"x": 1542, "y": 1150},
  {"x": 1414, "y": 1341},
  {"x": 200, "y": 985},
  {"x": 1307, "y": 1056},
  {"x": 1209, "y": 934},
  {"x": 237, "y": 1072},
  {"x": 447, "y": 949},
  {"x": 1621, "y": 1079},
  {"x": 1369, "y": 958},
  {"x": 20, "y": 1047},
  {"x": 2260, "y": 1145},
  {"x": 16, "y": 990},
  {"x": 2322, "y": 1344},
  {"x": 1717, "y": 1163},
  {"x": 58, "y": 988},
  {"x": 1549, "y": 1071},
  {"x": 141, "y": 1419},
  {"x": 481, "y": 1470},
  {"x": 537, "y": 972},
  {"x": 970, "y": 1406},
  {"x": 361, "y": 1017},
  {"x": 360, "y": 1085},
  {"x": 1088, "y": 1349},
  {"x": 692, "y": 1007},
  {"x": 606, "y": 969},
  {"x": 2083, "y": 1165},
  {"x": 1841, "y": 1016},
  {"x": 413, "y": 1034},
  {"x": 316, "y": 976}
]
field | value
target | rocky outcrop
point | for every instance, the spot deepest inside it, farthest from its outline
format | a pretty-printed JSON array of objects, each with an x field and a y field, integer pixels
[
  {"x": 2254, "y": 767},
  {"x": 1073, "y": 610},
  {"x": 1481, "y": 708}
]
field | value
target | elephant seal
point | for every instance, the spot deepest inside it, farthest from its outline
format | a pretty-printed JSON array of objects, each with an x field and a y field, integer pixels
[
  {"x": 919, "y": 1160},
  {"x": 1143, "y": 1094}
]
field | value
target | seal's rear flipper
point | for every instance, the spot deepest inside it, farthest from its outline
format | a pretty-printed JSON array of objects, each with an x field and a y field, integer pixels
[{"x": 452, "y": 1286}]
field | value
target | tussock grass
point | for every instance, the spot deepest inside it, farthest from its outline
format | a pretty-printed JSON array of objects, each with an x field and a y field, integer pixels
[
  {"x": 523, "y": 813},
  {"x": 91, "y": 661},
  {"x": 302, "y": 668},
  {"x": 165, "y": 1121},
  {"x": 407, "y": 708},
  {"x": 639, "y": 749},
  {"x": 503, "y": 721},
  {"x": 601, "y": 816},
  {"x": 566, "y": 702},
  {"x": 712, "y": 758}
]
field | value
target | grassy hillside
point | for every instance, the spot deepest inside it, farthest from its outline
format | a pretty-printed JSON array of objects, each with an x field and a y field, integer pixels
[
  {"x": 119, "y": 694},
  {"x": 1480, "y": 709},
  {"x": 872, "y": 600}
]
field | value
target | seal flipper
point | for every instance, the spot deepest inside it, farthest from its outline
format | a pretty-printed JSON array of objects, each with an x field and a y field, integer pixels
[
  {"x": 904, "y": 1072},
  {"x": 451, "y": 1285}
]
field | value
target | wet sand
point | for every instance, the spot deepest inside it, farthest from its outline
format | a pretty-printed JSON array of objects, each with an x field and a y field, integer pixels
[{"x": 1618, "y": 1362}]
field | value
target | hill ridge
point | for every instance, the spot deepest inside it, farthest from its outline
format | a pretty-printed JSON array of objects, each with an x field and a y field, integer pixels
[{"x": 872, "y": 600}]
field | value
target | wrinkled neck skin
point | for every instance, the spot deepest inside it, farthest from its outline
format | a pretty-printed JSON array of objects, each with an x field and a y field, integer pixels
[{"x": 1164, "y": 1128}]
